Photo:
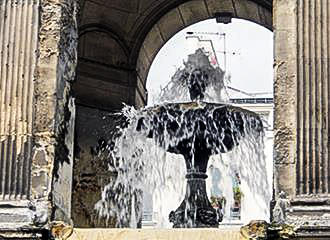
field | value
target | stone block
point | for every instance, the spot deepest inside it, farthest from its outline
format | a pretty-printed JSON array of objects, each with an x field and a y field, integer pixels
[
  {"x": 91, "y": 172},
  {"x": 97, "y": 93},
  {"x": 285, "y": 179},
  {"x": 284, "y": 14},
  {"x": 247, "y": 10},
  {"x": 266, "y": 17},
  {"x": 105, "y": 49},
  {"x": 193, "y": 12},
  {"x": 170, "y": 24},
  {"x": 285, "y": 148},
  {"x": 285, "y": 51},
  {"x": 40, "y": 184},
  {"x": 152, "y": 234},
  {"x": 143, "y": 65},
  {"x": 146, "y": 5},
  {"x": 220, "y": 6},
  {"x": 153, "y": 42}
]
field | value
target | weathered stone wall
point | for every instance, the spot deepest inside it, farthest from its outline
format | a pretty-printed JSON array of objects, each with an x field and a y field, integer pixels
[
  {"x": 91, "y": 169},
  {"x": 285, "y": 89},
  {"x": 18, "y": 36},
  {"x": 313, "y": 102},
  {"x": 302, "y": 114},
  {"x": 54, "y": 111},
  {"x": 105, "y": 77},
  {"x": 38, "y": 60},
  {"x": 18, "y": 59}
]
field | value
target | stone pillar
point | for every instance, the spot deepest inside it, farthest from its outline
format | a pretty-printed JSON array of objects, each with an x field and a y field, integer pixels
[
  {"x": 302, "y": 91},
  {"x": 37, "y": 65}
]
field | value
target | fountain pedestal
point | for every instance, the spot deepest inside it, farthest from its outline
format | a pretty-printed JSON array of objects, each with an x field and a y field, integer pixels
[{"x": 195, "y": 211}]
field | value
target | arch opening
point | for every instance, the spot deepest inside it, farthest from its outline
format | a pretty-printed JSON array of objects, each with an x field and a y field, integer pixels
[
  {"x": 118, "y": 42},
  {"x": 190, "y": 13},
  {"x": 245, "y": 51}
]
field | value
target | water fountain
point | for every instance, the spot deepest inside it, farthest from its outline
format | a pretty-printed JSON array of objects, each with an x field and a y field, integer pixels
[{"x": 196, "y": 130}]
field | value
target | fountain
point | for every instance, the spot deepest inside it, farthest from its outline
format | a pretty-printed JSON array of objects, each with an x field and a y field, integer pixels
[{"x": 196, "y": 130}]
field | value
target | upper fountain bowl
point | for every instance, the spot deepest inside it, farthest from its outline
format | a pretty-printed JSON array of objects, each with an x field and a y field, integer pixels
[{"x": 189, "y": 128}]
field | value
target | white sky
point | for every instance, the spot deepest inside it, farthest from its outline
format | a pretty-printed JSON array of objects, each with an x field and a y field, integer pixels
[{"x": 251, "y": 67}]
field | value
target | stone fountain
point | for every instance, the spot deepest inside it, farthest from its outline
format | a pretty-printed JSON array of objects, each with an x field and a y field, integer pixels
[
  {"x": 196, "y": 130},
  {"x": 213, "y": 129}
]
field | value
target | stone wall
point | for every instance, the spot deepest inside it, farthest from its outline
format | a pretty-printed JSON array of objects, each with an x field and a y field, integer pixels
[
  {"x": 53, "y": 112},
  {"x": 38, "y": 60},
  {"x": 302, "y": 114},
  {"x": 18, "y": 37},
  {"x": 16, "y": 95},
  {"x": 91, "y": 169},
  {"x": 105, "y": 80}
]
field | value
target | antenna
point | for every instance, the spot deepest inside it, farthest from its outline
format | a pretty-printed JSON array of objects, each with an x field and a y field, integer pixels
[
  {"x": 206, "y": 40},
  {"x": 221, "y": 35}
]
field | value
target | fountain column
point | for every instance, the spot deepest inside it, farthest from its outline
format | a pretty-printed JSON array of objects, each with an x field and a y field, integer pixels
[
  {"x": 37, "y": 65},
  {"x": 302, "y": 88}
]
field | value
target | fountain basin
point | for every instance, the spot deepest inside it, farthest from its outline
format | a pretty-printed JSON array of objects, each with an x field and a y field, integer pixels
[{"x": 209, "y": 127}]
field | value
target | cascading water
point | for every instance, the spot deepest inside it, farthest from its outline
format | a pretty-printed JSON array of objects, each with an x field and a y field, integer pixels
[
  {"x": 151, "y": 146},
  {"x": 212, "y": 84}
]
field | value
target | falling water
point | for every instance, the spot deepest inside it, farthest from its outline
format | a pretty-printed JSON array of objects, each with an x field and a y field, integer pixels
[
  {"x": 177, "y": 91},
  {"x": 138, "y": 153}
]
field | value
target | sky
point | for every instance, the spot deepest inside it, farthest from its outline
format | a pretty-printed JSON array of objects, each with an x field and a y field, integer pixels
[{"x": 249, "y": 54}]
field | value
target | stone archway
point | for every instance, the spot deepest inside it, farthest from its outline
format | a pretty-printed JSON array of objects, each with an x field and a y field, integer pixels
[
  {"x": 192, "y": 12},
  {"x": 119, "y": 60},
  {"x": 141, "y": 28}
]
